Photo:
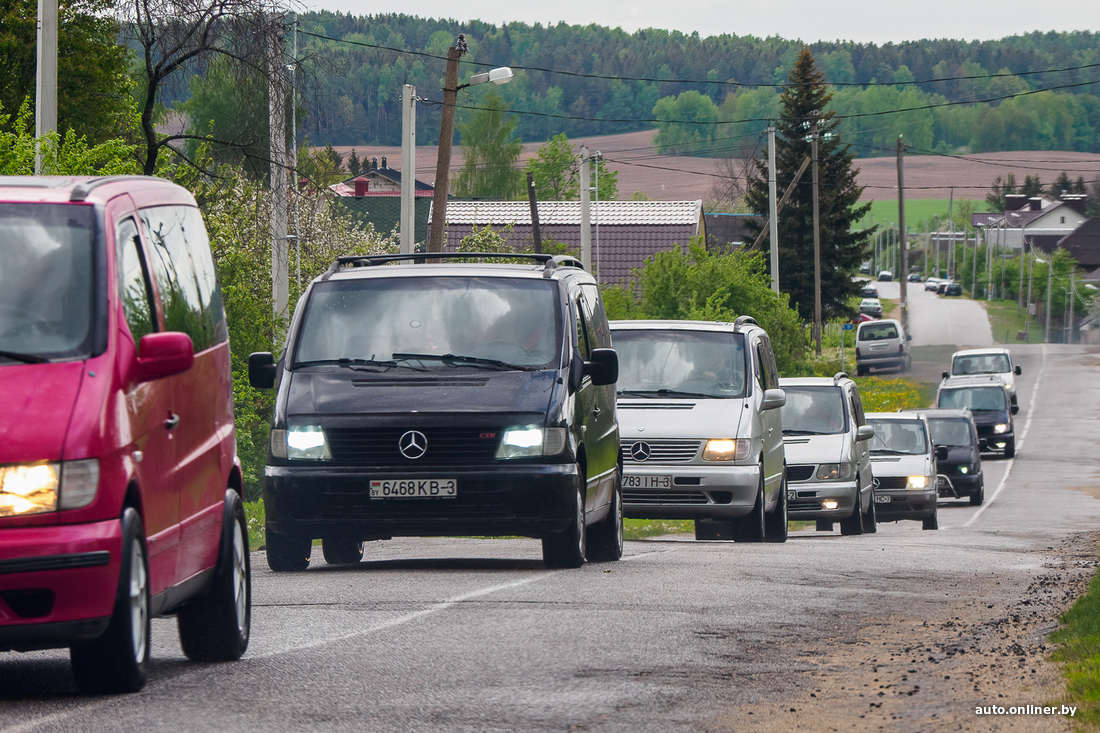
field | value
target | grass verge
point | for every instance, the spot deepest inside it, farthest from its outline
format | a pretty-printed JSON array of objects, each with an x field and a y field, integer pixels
[
  {"x": 1006, "y": 319},
  {"x": 639, "y": 529},
  {"x": 1079, "y": 638},
  {"x": 890, "y": 395},
  {"x": 254, "y": 513}
]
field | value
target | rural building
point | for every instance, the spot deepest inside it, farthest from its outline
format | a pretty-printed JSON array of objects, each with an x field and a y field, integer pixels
[
  {"x": 375, "y": 198},
  {"x": 1042, "y": 221},
  {"x": 727, "y": 232},
  {"x": 1084, "y": 244},
  {"x": 624, "y": 233}
]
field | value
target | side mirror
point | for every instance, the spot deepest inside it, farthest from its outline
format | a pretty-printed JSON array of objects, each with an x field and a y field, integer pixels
[
  {"x": 983, "y": 446},
  {"x": 865, "y": 432},
  {"x": 162, "y": 355},
  {"x": 941, "y": 452},
  {"x": 773, "y": 398},
  {"x": 1019, "y": 371},
  {"x": 908, "y": 337},
  {"x": 604, "y": 367},
  {"x": 945, "y": 375},
  {"x": 261, "y": 369},
  {"x": 1014, "y": 409}
]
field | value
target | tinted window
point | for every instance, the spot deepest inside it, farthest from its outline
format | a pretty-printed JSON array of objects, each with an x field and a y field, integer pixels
[
  {"x": 905, "y": 437},
  {"x": 981, "y": 364},
  {"x": 814, "y": 411},
  {"x": 46, "y": 279},
  {"x": 949, "y": 431},
  {"x": 596, "y": 317},
  {"x": 975, "y": 399},
  {"x": 878, "y": 332},
  {"x": 133, "y": 281},
  {"x": 704, "y": 362},
  {"x": 514, "y": 320},
  {"x": 581, "y": 331}
]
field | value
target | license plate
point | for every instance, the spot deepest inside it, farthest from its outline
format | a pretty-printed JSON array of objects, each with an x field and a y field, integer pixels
[
  {"x": 792, "y": 495},
  {"x": 882, "y": 499},
  {"x": 414, "y": 488},
  {"x": 647, "y": 482}
]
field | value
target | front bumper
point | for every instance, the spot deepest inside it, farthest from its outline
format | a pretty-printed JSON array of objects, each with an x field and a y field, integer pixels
[
  {"x": 531, "y": 500},
  {"x": 683, "y": 491},
  {"x": 806, "y": 499},
  {"x": 904, "y": 504},
  {"x": 963, "y": 484},
  {"x": 58, "y": 583}
]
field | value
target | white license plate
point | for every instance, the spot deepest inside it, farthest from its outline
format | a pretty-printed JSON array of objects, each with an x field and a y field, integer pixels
[
  {"x": 647, "y": 482},
  {"x": 882, "y": 499},
  {"x": 792, "y": 495},
  {"x": 414, "y": 488}
]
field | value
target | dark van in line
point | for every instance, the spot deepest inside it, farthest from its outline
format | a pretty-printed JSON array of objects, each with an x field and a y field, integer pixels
[{"x": 444, "y": 398}]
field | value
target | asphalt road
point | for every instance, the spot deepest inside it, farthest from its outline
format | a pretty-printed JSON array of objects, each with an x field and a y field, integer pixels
[
  {"x": 468, "y": 634},
  {"x": 935, "y": 320}
]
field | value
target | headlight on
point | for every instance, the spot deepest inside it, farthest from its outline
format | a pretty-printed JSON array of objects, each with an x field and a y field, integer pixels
[
  {"x": 833, "y": 471},
  {"x": 727, "y": 449},
  {"x": 29, "y": 489},
  {"x": 531, "y": 441},
  {"x": 1000, "y": 428},
  {"x": 307, "y": 443},
  {"x": 917, "y": 482}
]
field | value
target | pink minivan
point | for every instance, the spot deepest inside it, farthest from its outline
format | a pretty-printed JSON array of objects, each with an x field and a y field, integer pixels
[{"x": 120, "y": 488}]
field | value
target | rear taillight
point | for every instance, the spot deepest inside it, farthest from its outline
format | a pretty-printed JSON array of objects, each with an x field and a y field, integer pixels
[
  {"x": 900, "y": 349},
  {"x": 857, "y": 352}
]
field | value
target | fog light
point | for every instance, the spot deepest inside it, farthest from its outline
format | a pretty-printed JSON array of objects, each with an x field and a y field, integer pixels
[
  {"x": 830, "y": 504},
  {"x": 964, "y": 469}
]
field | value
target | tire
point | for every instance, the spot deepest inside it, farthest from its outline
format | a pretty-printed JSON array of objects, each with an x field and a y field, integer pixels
[
  {"x": 931, "y": 522},
  {"x": 340, "y": 551},
  {"x": 1010, "y": 448},
  {"x": 775, "y": 524},
  {"x": 287, "y": 554},
  {"x": 605, "y": 540},
  {"x": 870, "y": 519},
  {"x": 824, "y": 525},
  {"x": 567, "y": 549},
  {"x": 118, "y": 660},
  {"x": 861, "y": 371},
  {"x": 978, "y": 497},
  {"x": 750, "y": 528},
  {"x": 853, "y": 523},
  {"x": 215, "y": 626}
]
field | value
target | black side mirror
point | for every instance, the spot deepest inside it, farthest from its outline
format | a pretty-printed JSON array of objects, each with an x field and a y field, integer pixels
[
  {"x": 983, "y": 446},
  {"x": 604, "y": 367},
  {"x": 261, "y": 369},
  {"x": 1014, "y": 409},
  {"x": 1019, "y": 371},
  {"x": 941, "y": 452},
  {"x": 945, "y": 375}
]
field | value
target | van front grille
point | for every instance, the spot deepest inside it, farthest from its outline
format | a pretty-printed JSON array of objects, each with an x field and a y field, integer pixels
[
  {"x": 662, "y": 451},
  {"x": 468, "y": 446},
  {"x": 799, "y": 473}
]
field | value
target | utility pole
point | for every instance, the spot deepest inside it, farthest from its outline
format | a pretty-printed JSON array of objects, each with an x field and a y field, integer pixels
[
  {"x": 1050, "y": 286},
  {"x": 904, "y": 239},
  {"x": 446, "y": 139},
  {"x": 408, "y": 169},
  {"x": 280, "y": 288},
  {"x": 586, "y": 231},
  {"x": 536, "y": 232},
  {"x": 937, "y": 247},
  {"x": 1027, "y": 316},
  {"x": 45, "y": 96},
  {"x": 817, "y": 237},
  {"x": 974, "y": 269},
  {"x": 773, "y": 212}
]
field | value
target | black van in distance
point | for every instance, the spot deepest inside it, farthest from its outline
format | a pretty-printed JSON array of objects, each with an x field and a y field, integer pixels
[{"x": 444, "y": 398}]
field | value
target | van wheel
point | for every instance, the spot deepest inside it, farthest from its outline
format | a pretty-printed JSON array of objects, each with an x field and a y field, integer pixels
[
  {"x": 567, "y": 549},
  {"x": 978, "y": 496},
  {"x": 775, "y": 524},
  {"x": 1010, "y": 448},
  {"x": 117, "y": 661},
  {"x": 605, "y": 541},
  {"x": 750, "y": 528},
  {"x": 931, "y": 522},
  {"x": 861, "y": 371},
  {"x": 870, "y": 519},
  {"x": 341, "y": 551},
  {"x": 853, "y": 523},
  {"x": 287, "y": 554},
  {"x": 215, "y": 626}
]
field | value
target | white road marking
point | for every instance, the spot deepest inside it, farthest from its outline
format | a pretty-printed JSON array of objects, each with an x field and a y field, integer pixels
[{"x": 1019, "y": 443}]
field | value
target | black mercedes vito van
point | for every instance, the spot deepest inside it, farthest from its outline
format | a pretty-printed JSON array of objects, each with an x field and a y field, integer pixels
[{"x": 444, "y": 398}]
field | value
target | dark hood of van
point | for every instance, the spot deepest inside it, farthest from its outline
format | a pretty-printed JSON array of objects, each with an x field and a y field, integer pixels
[{"x": 455, "y": 391}]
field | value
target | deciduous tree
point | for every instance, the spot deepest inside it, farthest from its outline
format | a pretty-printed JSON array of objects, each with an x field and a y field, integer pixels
[{"x": 490, "y": 150}]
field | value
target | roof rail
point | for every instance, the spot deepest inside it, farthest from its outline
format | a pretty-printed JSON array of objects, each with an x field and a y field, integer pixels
[
  {"x": 549, "y": 262},
  {"x": 839, "y": 376},
  {"x": 81, "y": 190},
  {"x": 742, "y": 320}
]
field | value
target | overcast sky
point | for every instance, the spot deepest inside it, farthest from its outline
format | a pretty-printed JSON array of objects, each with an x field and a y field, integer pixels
[{"x": 808, "y": 20}]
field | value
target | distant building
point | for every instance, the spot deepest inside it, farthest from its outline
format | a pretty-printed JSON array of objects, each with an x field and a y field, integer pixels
[
  {"x": 375, "y": 197},
  {"x": 624, "y": 233},
  {"x": 1084, "y": 244},
  {"x": 1042, "y": 221},
  {"x": 727, "y": 232}
]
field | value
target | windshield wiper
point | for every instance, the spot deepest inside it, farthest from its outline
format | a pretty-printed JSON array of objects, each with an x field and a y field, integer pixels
[
  {"x": 457, "y": 360},
  {"x": 25, "y": 358},
  {"x": 890, "y": 452},
  {"x": 792, "y": 431},
  {"x": 662, "y": 393},
  {"x": 362, "y": 365}
]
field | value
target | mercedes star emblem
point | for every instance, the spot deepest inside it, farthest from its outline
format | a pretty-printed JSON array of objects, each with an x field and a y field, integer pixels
[
  {"x": 874, "y": 483},
  {"x": 413, "y": 444},
  {"x": 640, "y": 451}
]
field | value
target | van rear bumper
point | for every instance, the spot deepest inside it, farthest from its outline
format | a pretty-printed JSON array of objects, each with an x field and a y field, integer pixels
[{"x": 529, "y": 500}]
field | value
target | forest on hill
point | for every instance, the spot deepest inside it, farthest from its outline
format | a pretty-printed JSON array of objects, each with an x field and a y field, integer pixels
[{"x": 708, "y": 96}]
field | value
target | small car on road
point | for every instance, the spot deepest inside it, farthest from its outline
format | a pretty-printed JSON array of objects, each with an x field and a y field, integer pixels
[
  {"x": 990, "y": 404},
  {"x": 702, "y": 436},
  {"x": 960, "y": 472},
  {"x": 914, "y": 277},
  {"x": 953, "y": 289},
  {"x": 932, "y": 283},
  {"x": 881, "y": 344},
  {"x": 903, "y": 461},
  {"x": 994, "y": 360},
  {"x": 868, "y": 291},
  {"x": 828, "y": 463},
  {"x": 885, "y": 276},
  {"x": 871, "y": 306}
]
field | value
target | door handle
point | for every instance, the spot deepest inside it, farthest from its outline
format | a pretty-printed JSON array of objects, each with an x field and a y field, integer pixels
[
  {"x": 596, "y": 411},
  {"x": 172, "y": 421}
]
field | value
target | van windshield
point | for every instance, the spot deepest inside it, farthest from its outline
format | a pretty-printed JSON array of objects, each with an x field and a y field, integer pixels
[
  {"x": 878, "y": 332},
  {"x": 981, "y": 364},
  {"x": 976, "y": 399},
  {"x": 950, "y": 431},
  {"x": 700, "y": 363},
  {"x": 814, "y": 411},
  {"x": 46, "y": 282},
  {"x": 472, "y": 321},
  {"x": 898, "y": 437}
]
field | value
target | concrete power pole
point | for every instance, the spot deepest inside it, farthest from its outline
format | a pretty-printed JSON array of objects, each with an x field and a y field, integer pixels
[
  {"x": 446, "y": 139},
  {"x": 586, "y": 231},
  {"x": 773, "y": 213},
  {"x": 817, "y": 237},
  {"x": 45, "y": 98},
  {"x": 280, "y": 294},
  {"x": 408, "y": 169},
  {"x": 903, "y": 276}
]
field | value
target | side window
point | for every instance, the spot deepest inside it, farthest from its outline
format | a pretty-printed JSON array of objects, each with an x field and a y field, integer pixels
[
  {"x": 769, "y": 363},
  {"x": 584, "y": 337},
  {"x": 857, "y": 408},
  {"x": 762, "y": 376},
  {"x": 597, "y": 317},
  {"x": 134, "y": 288}
]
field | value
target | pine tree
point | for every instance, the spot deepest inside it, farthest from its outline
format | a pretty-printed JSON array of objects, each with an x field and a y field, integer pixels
[
  {"x": 838, "y": 195},
  {"x": 355, "y": 166}
]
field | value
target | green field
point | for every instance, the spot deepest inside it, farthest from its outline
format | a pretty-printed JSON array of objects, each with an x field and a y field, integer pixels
[{"x": 917, "y": 211}]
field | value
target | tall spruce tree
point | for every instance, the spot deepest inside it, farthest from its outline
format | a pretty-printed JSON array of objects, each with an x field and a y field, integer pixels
[{"x": 838, "y": 199}]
